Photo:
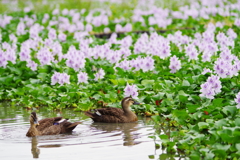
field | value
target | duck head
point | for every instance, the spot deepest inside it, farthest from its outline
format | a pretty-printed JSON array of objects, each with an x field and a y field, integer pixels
[
  {"x": 128, "y": 101},
  {"x": 34, "y": 119}
]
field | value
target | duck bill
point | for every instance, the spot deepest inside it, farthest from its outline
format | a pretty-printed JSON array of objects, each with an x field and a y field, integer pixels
[
  {"x": 36, "y": 122},
  {"x": 136, "y": 103}
]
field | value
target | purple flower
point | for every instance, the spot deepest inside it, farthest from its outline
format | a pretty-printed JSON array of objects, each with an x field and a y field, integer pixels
[
  {"x": 82, "y": 77},
  {"x": 175, "y": 64},
  {"x": 20, "y": 28},
  {"x": 99, "y": 75},
  {"x": 210, "y": 88},
  {"x": 31, "y": 64},
  {"x": 237, "y": 100},
  {"x": 131, "y": 91},
  {"x": 3, "y": 59},
  {"x": 60, "y": 78},
  {"x": 206, "y": 70},
  {"x": 75, "y": 58},
  {"x": 124, "y": 65},
  {"x": 148, "y": 64},
  {"x": 237, "y": 22},
  {"x": 52, "y": 34},
  {"x": 62, "y": 37},
  {"x": 25, "y": 54},
  {"x": 45, "y": 56}
]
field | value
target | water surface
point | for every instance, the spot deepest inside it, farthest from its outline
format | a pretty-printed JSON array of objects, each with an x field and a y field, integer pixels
[{"x": 89, "y": 140}]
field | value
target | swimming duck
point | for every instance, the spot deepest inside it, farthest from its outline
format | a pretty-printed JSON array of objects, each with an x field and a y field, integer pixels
[
  {"x": 115, "y": 115},
  {"x": 49, "y": 126}
]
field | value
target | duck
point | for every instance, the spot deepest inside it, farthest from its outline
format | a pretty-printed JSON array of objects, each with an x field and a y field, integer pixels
[
  {"x": 115, "y": 115},
  {"x": 49, "y": 126}
]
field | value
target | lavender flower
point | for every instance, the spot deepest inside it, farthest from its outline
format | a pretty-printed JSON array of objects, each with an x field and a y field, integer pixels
[
  {"x": 82, "y": 77},
  {"x": 131, "y": 91},
  {"x": 3, "y": 59},
  {"x": 31, "y": 64},
  {"x": 60, "y": 78},
  {"x": 206, "y": 70},
  {"x": 44, "y": 56},
  {"x": 99, "y": 75},
  {"x": 52, "y": 34},
  {"x": 237, "y": 100},
  {"x": 175, "y": 64},
  {"x": 62, "y": 37},
  {"x": 191, "y": 52},
  {"x": 20, "y": 28},
  {"x": 210, "y": 88},
  {"x": 148, "y": 64}
]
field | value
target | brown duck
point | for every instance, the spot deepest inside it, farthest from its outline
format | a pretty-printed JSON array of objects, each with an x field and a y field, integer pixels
[
  {"x": 49, "y": 126},
  {"x": 115, "y": 115}
]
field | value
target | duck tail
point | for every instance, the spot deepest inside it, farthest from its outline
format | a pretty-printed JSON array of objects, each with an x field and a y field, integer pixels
[
  {"x": 89, "y": 114},
  {"x": 68, "y": 126},
  {"x": 73, "y": 125}
]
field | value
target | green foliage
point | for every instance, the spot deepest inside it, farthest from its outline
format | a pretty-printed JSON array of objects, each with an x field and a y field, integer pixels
[{"x": 199, "y": 128}]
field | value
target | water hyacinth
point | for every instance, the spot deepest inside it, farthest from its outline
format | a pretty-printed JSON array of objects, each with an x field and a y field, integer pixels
[
  {"x": 32, "y": 65},
  {"x": 227, "y": 65},
  {"x": 45, "y": 56},
  {"x": 99, "y": 75},
  {"x": 131, "y": 91},
  {"x": 60, "y": 78},
  {"x": 175, "y": 64},
  {"x": 210, "y": 88},
  {"x": 237, "y": 100},
  {"x": 206, "y": 70},
  {"x": 82, "y": 77}
]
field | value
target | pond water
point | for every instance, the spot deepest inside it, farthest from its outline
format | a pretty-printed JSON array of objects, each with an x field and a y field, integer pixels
[{"x": 89, "y": 140}]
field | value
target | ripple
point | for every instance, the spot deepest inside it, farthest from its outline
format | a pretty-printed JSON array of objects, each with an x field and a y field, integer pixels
[{"x": 86, "y": 136}]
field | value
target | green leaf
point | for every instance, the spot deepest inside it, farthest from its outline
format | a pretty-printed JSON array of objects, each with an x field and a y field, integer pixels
[
  {"x": 114, "y": 81},
  {"x": 237, "y": 121},
  {"x": 182, "y": 98},
  {"x": 15, "y": 70},
  {"x": 185, "y": 83},
  {"x": 191, "y": 107},
  {"x": 146, "y": 82},
  {"x": 218, "y": 102},
  {"x": 158, "y": 96},
  {"x": 34, "y": 81},
  {"x": 156, "y": 118},
  {"x": 230, "y": 109},
  {"x": 151, "y": 157},
  {"x": 203, "y": 125},
  {"x": 220, "y": 123}
]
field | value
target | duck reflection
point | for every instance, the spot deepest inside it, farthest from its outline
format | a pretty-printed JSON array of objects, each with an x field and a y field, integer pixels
[
  {"x": 35, "y": 150},
  {"x": 128, "y": 130}
]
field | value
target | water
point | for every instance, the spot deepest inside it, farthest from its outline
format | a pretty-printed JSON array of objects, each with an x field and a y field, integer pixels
[{"x": 88, "y": 140}]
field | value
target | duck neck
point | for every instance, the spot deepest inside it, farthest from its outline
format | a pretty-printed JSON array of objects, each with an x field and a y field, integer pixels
[
  {"x": 34, "y": 130},
  {"x": 127, "y": 110}
]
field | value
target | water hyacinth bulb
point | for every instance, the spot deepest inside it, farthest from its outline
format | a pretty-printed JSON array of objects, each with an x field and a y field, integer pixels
[{"x": 131, "y": 91}]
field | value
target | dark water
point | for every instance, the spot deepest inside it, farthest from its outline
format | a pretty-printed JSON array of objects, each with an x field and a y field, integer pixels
[{"x": 93, "y": 141}]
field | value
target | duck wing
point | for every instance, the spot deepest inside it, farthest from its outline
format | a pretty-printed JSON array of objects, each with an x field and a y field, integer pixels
[
  {"x": 111, "y": 111},
  {"x": 108, "y": 115},
  {"x": 52, "y": 130},
  {"x": 59, "y": 127},
  {"x": 47, "y": 122}
]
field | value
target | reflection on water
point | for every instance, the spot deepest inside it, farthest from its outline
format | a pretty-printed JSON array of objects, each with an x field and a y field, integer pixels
[
  {"x": 89, "y": 140},
  {"x": 35, "y": 150},
  {"x": 127, "y": 130}
]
